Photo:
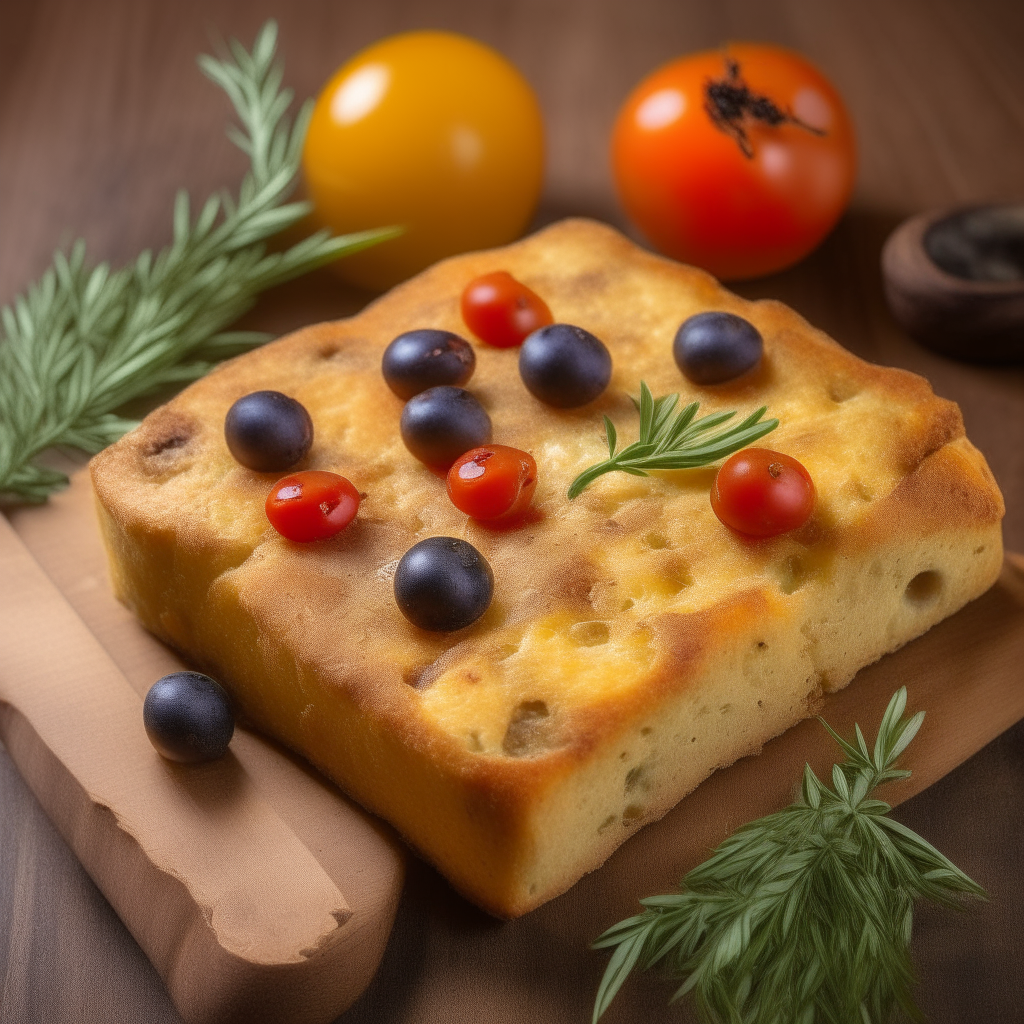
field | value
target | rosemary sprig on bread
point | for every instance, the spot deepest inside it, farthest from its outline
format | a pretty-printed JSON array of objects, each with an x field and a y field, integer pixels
[
  {"x": 82, "y": 342},
  {"x": 684, "y": 442},
  {"x": 804, "y": 915}
]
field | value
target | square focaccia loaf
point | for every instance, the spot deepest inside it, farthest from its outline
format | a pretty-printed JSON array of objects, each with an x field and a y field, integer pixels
[{"x": 633, "y": 644}]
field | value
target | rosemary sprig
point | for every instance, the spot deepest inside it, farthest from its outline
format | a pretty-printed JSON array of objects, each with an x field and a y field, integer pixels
[
  {"x": 805, "y": 915},
  {"x": 667, "y": 443},
  {"x": 81, "y": 342}
]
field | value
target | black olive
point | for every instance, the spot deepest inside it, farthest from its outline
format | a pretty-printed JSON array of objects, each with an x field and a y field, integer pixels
[
  {"x": 268, "y": 431},
  {"x": 714, "y": 347},
  {"x": 564, "y": 366},
  {"x": 443, "y": 584},
  {"x": 188, "y": 717},
  {"x": 423, "y": 359},
  {"x": 440, "y": 424}
]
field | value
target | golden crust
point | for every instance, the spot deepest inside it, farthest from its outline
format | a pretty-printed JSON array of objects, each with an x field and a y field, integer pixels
[{"x": 634, "y": 644}]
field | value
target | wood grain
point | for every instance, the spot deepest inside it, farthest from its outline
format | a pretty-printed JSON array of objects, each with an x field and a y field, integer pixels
[{"x": 103, "y": 116}]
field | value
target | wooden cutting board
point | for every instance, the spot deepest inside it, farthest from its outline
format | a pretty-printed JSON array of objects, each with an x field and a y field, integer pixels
[
  {"x": 257, "y": 890},
  {"x": 260, "y": 893}
]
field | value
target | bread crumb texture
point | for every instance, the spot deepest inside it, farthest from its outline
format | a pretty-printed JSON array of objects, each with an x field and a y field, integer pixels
[{"x": 633, "y": 645}]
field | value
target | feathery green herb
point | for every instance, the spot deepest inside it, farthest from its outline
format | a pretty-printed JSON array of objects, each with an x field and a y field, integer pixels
[
  {"x": 804, "y": 916},
  {"x": 680, "y": 443},
  {"x": 81, "y": 342}
]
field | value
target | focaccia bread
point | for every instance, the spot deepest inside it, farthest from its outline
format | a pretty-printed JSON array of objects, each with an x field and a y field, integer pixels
[{"x": 634, "y": 643}]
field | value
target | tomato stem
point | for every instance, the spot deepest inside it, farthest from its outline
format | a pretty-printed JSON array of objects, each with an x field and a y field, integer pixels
[{"x": 729, "y": 102}]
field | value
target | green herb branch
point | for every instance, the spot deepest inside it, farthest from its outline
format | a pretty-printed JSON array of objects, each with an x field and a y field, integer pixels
[
  {"x": 805, "y": 915},
  {"x": 81, "y": 342},
  {"x": 684, "y": 442}
]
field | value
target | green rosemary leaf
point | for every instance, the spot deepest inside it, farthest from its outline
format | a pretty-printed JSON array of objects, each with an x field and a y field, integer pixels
[
  {"x": 681, "y": 425},
  {"x": 663, "y": 409},
  {"x": 36, "y": 483},
  {"x": 646, "y": 413},
  {"x": 804, "y": 915},
  {"x": 622, "y": 962},
  {"x": 684, "y": 442},
  {"x": 83, "y": 341},
  {"x": 609, "y": 431}
]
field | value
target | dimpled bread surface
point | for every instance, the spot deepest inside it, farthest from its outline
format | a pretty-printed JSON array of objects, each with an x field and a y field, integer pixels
[{"x": 634, "y": 643}]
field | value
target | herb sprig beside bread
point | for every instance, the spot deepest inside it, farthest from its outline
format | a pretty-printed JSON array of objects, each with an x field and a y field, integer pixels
[
  {"x": 82, "y": 342},
  {"x": 804, "y": 915}
]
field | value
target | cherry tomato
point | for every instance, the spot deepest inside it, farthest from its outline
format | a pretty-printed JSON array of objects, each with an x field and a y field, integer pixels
[
  {"x": 500, "y": 310},
  {"x": 762, "y": 493},
  {"x": 738, "y": 160},
  {"x": 493, "y": 482},
  {"x": 312, "y": 505},
  {"x": 432, "y": 131}
]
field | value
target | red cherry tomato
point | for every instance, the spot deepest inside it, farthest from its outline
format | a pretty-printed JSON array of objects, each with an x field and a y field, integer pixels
[
  {"x": 493, "y": 482},
  {"x": 762, "y": 493},
  {"x": 738, "y": 160},
  {"x": 500, "y": 310},
  {"x": 312, "y": 505}
]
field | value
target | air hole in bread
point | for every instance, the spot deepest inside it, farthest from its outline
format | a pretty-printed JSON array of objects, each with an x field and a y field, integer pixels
[
  {"x": 978, "y": 551},
  {"x": 632, "y": 815},
  {"x": 924, "y": 588},
  {"x": 792, "y": 575},
  {"x": 840, "y": 390},
  {"x": 168, "y": 443},
  {"x": 473, "y": 742},
  {"x": 529, "y": 731},
  {"x": 646, "y": 731},
  {"x": 656, "y": 541},
  {"x": 761, "y": 645},
  {"x": 589, "y": 634},
  {"x": 606, "y": 824},
  {"x": 637, "y": 778},
  {"x": 328, "y": 352},
  {"x": 627, "y": 604}
]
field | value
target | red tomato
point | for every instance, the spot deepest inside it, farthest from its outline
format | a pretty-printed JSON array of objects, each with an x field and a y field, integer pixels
[
  {"x": 492, "y": 482},
  {"x": 738, "y": 160},
  {"x": 762, "y": 493},
  {"x": 501, "y": 311},
  {"x": 312, "y": 505}
]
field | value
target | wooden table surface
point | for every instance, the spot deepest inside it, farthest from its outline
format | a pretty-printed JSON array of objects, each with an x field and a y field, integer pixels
[{"x": 103, "y": 115}]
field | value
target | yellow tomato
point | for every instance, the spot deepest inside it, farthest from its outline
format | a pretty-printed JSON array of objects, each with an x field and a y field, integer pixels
[{"x": 432, "y": 131}]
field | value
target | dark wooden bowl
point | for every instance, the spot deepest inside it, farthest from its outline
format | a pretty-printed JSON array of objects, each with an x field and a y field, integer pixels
[{"x": 955, "y": 280}]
